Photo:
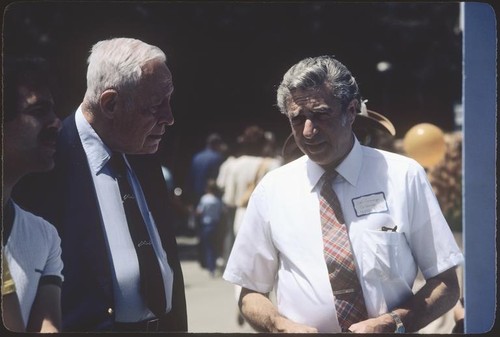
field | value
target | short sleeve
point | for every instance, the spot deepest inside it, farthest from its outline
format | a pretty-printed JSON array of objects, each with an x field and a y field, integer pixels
[
  {"x": 253, "y": 262},
  {"x": 431, "y": 238},
  {"x": 54, "y": 264}
]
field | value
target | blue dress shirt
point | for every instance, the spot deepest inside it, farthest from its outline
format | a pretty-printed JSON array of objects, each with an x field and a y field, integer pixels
[{"x": 129, "y": 304}]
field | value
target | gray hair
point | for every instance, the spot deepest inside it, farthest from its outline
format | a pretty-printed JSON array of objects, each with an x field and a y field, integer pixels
[
  {"x": 313, "y": 72},
  {"x": 117, "y": 64}
]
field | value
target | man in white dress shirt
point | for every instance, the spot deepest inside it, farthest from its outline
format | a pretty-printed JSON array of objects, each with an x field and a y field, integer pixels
[{"x": 393, "y": 220}]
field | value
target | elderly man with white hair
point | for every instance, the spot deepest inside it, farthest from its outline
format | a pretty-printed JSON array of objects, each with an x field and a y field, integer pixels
[{"x": 106, "y": 197}]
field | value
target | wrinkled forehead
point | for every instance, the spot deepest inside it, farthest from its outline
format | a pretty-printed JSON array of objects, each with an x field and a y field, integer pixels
[{"x": 310, "y": 96}]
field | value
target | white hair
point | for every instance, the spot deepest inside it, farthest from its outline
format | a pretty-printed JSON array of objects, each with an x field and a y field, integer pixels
[{"x": 117, "y": 64}]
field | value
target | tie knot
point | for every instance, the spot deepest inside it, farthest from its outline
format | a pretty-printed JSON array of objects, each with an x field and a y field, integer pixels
[
  {"x": 329, "y": 176},
  {"x": 117, "y": 163}
]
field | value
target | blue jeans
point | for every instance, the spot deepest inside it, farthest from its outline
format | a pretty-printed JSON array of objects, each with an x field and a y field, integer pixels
[{"x": 207, "y": 241}]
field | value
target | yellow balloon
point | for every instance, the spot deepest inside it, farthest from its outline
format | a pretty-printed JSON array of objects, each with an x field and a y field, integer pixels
[{"x": 425, "y": 143}]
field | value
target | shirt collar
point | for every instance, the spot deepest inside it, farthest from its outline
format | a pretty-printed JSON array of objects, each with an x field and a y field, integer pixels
[
  {"x": 347, "y": 170},
  {"x": 97, "y": 152},
  {"x": 350, "y": 167}
]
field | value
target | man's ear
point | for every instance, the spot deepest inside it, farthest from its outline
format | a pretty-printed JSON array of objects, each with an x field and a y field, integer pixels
[{"x": 107, "y": 102}]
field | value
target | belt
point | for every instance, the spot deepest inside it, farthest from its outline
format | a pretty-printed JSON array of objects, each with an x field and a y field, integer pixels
[{"x": 145, "y": 326}]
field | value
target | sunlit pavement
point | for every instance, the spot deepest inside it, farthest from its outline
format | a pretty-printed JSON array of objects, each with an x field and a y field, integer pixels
[{"x": 211, "y": 303}]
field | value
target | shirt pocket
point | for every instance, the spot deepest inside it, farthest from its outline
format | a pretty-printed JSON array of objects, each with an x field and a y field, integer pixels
[{"x": 384, "y": 253}]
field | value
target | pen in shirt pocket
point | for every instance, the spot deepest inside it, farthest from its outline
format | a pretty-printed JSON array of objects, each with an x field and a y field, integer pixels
[{"x": 389, "y": 229}]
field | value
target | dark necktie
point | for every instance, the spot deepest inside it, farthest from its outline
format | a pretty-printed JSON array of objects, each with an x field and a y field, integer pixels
[
  {"x": 349, "y": 300},
  {"x": 150, "y": 274}
]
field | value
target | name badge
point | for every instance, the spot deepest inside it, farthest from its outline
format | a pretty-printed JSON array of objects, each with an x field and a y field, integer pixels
[{"x": 370, "y": 203}]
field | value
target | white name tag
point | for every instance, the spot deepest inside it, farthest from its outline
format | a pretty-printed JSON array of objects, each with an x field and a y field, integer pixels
[{"x": 371, "y": 203}]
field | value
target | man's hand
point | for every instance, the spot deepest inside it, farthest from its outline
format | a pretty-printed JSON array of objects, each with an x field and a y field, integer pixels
[
  {"x": 439, "y": 294},
  {"x": 261, "y": 314},
  {"x": 383, "y": 323},
  {"x": 283, "y": 324}
]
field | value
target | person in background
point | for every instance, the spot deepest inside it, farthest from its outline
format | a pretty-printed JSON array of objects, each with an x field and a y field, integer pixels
[
  {"x": 226, "y": 233},
  {"x": 446, "y": 180},
  {"x": 209, "y": 213},
  {"x": 31, "y": 246},
  {"x": 106, "y": 196},
  {"x": 204, "y": 166},
  {"x": 247, "y": 170},
  {"x": 341, "y": 232},
  {"x": 243, "y": 175}
]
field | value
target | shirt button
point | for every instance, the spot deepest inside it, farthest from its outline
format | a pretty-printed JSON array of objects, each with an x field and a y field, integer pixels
[{"x": 110, "y": 311}]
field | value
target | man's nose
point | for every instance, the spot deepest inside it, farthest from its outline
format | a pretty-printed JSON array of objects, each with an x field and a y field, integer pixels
[
  {"x": 166, "y": 116},
  {"x": 309, "y": 129}
]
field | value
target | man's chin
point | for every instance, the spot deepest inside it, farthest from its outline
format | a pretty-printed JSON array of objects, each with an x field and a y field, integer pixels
[
  {"x": 319, "y": 158},
  {"x": 148, "y": 149}
]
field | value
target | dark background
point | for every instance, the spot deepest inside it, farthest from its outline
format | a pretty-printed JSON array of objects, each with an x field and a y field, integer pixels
[{"x": 227, "y": 58}]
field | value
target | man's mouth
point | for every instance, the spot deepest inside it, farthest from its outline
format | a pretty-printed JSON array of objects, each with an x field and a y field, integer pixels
[
  {"x": 316, "y": 147},
  {"x": 157, "y": 137}
]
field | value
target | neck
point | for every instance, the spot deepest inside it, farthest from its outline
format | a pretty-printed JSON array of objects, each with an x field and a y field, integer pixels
[
  {"x": 89, "y": 115},
  {"x": 11, "y": 176},
  {"x": 98, "y": 124}
]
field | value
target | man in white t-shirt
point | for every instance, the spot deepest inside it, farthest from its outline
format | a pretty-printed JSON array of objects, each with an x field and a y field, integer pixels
[
  {"x": 393, "y": 221},
  {"x": 31, "y": 245}
]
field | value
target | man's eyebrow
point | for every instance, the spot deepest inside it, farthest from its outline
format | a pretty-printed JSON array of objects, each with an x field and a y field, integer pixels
[{"x": 321, "y": 107}]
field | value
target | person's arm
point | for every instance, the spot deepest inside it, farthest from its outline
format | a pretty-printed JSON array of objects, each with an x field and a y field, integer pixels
[
  {"x": 263, "y": 316},
  {"x": 11, "y": 312},
  {"x": 46, "y": 309},
  {"x": 439, "y": 294}
]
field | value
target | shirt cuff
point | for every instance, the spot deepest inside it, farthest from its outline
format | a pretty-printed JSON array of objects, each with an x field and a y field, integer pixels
[{"x": 51, "y": 279}]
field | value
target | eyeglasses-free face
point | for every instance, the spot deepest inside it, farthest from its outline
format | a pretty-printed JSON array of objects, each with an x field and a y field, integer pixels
[{"x": 320, "y": 128}]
